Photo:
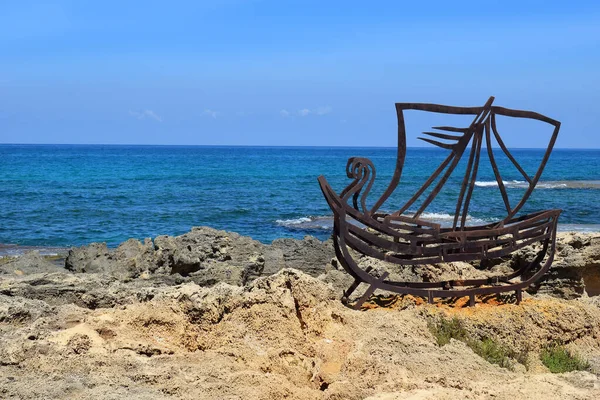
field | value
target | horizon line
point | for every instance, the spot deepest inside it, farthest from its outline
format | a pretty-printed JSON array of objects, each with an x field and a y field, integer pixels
[{"x": 269, "y": 146}]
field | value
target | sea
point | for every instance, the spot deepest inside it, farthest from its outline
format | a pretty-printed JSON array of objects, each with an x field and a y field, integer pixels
[{"x": 58, "y": 196}]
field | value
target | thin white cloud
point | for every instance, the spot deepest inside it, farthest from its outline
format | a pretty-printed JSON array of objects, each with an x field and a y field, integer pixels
[
  {"x": 153, "y": 115},
  {"x": 304, "y": 112},
  {"x": 146, "y": 114},
  {"x": 323, "y": 110},
  {"x": 210, "y": 113}
]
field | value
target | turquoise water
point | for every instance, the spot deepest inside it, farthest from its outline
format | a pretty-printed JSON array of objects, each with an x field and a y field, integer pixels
[{"x": 64, "y": 195}]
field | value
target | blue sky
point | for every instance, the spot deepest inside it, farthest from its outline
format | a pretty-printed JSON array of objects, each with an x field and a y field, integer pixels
[{"x": 289, "y": 72}]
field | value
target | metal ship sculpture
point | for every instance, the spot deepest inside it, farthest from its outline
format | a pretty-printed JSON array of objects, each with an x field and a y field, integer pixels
[{"x": 406, "y": 239}]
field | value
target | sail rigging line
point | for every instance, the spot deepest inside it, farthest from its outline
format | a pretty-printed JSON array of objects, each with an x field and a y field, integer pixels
[
  {"x": 459, "y": 150},
  {"x": 400, "y": 157},
  {"x": 447, "y": 146},
  {"x": 441, "y": 183},
  {"x": 426, "y": 184},
  {"x": 443, "y": 135},
  {"x": 401, "y": 152},
  {"x": 488, "y": 139},
  {"x": 538, "y": 174},
  {"x": 479, "y": 138},
  {"x": 467, "y": 176},
  {"x": 505, "y": 150},
  {"x": 463, "y": 187},
  {"x": 450, "y": 129}
]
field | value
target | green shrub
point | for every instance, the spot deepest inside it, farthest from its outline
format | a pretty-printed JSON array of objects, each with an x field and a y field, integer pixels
[
  {"x": 558, "y": 360},
  {"x": 493, "y": 352},
  {"x": 445, "y": 329}
]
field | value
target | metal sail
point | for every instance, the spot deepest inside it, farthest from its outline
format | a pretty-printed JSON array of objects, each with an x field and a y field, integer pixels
[{"x": 457, "y": 145}]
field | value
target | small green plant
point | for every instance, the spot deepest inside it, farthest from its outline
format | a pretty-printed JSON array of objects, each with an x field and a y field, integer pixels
[
  {"x": 493, "y": 352},
  {"x": 445, "y": 329},
  {"x": 558, "y": 360}
]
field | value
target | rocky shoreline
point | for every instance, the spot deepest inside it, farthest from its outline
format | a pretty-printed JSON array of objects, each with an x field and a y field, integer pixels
[{"x": 212, "y": 314}]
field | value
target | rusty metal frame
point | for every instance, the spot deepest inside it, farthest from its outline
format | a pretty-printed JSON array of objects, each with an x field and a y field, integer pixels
[{"x": 410, "y": 240}]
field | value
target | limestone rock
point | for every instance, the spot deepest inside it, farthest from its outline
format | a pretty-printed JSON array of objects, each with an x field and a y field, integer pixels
[
  {"x": 29, "y": 263},
  {"x": 189, "y": 252},
  {"x": 309, "y": 255},
  {"x": 205, "y": 255},
  {"x": 129, "y": 260},
  {"x": 280, "y": 336},
  {"x": 575, "y": 271}
]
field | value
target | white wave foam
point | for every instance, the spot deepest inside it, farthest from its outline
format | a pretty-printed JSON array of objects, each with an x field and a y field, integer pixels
[
  {"x": 310, "y": 223},
  {"x": 540, "y": 185},
  {"x": 439, "y": 216},
  {"x": 446, "y": 219},
  {"x": 495, "y": 183},
  {"x": 487, "y": 183},
  {"x": 551, "y": 185},
  {"x": 294, "y": 221},
  {"x": 326, "y": 222}
]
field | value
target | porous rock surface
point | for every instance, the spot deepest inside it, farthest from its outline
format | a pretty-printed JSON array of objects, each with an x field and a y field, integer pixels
[
  {"x": 575, "y": 271},
  {"x": 152, "y": 320},
  {"x": 205, "y": 254}
]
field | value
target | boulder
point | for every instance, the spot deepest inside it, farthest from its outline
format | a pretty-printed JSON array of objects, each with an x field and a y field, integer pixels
[
  {"x": 205, "y": 255},
  {"x": 29, "y": 263},
  {"x": 129, "y": 260},
  {"x": 192, "y": 251},
  {"x": 575, "y": 271},
  {"x": 309, "y": 255}
]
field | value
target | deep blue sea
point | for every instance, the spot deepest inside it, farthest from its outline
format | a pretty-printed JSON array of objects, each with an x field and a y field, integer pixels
[{"x": 65, "y": 195}]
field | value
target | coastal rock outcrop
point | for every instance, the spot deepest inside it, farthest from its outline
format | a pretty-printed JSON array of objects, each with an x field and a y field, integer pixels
[
  {"x": 309, "y": 255},
  {"x": 208, "y": 256},
  {"x": 29, "y": 263},
  {"x": 131, "y": 259},
  {"x": 222, "y": 256},
  {"x": 204, "y": 254},
  {"x": 575, "y": 271}
]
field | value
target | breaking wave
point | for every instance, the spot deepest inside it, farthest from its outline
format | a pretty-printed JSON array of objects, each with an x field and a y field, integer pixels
[
  {"x": 293, "y": 221},
  {"x": 326, "y": 222},
  {"x": 447, "y": 219},
  {"x": 307, "y": 223},
  {"x": 543, "y": 185}
]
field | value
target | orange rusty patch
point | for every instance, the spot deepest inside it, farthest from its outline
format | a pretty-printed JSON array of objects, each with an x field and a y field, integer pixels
[{"x": 394, "y": 302}]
